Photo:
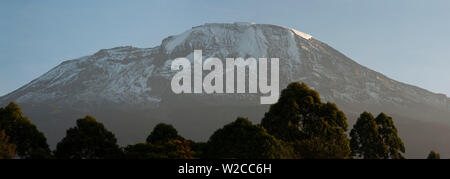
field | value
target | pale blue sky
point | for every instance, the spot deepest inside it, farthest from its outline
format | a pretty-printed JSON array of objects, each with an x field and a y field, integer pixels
[{"x": 407, "y": 40}]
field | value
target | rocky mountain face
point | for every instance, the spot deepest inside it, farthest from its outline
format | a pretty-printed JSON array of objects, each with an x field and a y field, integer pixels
[{"x": 128, "y": 88}]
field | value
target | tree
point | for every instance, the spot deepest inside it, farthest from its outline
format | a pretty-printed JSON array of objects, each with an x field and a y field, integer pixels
[
  {"x": 181, "y": 149},
  {"x": 301, "y": 119},
  {"x": 29, "y": 141},
  {"x": 88, "y": 140},
  {"x": 198, "y": 148},
  {"x": 162, "y": 143},
  {"x": 434, "y": 155},
  {"x": 366, "y": 141},
  {"x": 376, "y": 138},
  {"x": 143, "y": 151},
  {"x": 172, "y": 149},
  {"x": 162, "y": 133},
  {"x": 389, "y": 135},
  {"x": 7, "y": 150},
  {"x": 317, "y": 148},
  {"x": 243, "y": 140}
]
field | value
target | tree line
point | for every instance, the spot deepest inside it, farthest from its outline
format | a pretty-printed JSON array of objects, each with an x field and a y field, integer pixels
[{"x": 298, "y": 126}]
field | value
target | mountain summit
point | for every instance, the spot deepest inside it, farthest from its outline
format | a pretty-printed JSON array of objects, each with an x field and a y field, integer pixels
[{"x": 128, "y": 88}]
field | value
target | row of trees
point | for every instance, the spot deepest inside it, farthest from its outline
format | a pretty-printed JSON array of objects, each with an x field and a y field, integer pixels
[{"x": 298, "y": 126}]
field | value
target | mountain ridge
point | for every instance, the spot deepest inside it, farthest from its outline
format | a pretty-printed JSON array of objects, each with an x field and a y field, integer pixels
[{"x": 166, "y": 46}]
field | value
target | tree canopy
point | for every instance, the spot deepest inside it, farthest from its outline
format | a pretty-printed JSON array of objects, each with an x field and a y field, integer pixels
[
  {"x": 29, "y": 141},
  {"x": 365, "y": 140},
  {"x": 389, "y": 135},
  {"x": 434, "y": 155},
  {"x": 316, "y": 129},
  {"x": 162, "y": 133},
  {"x": 89, "y": 139},
  {"x": 376, "y": 138},
  {"x": 7, "y": 150},
  {"x": 243, "y": 140},
  {"x": 172, "y": 149},
  {"x": 162, "y": 143}
]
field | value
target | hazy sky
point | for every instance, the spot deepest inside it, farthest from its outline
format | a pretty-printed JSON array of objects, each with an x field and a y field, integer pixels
[{"x": 407, "y": 40}]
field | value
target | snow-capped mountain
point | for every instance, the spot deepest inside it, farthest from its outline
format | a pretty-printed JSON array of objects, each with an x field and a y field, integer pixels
[{"x": 120, "y": 79}]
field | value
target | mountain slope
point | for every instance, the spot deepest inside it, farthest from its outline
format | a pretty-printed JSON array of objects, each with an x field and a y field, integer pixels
[{"x": 128, "y": 88}]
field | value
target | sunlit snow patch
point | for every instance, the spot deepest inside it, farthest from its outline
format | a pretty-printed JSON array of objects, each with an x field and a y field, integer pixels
[{"x": 301, "y": 34}]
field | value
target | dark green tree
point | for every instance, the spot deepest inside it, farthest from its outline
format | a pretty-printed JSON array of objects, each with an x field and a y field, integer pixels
[
  {"x": 315, "y": 129},
  {"x": 198, "y": 148},
  {"x": 181, "y": 149},
  {"x": 29, "y": 141},
  {"x": 144, "y": 151},
  {"x": 434, "y": 155},
  {"x": 88, "y": 140},
  {"x": 389, "y": 135},
  {"x": 376, "y": 138},
  {"x": 366, "y": 141},
  {"x": 162, "y": 143},
  {"x": 172, "y": 149},
  {"x": 162, "y": 133},
  {"x": 243, "y": 140},
  {"x": 7, "y": 150},
  {"x": 317, "y": 148}
]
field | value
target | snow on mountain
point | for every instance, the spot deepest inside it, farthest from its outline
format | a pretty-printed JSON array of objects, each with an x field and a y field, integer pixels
[
  {"x": 301, "y": 34},
  {"x": 118, "y": 74},
  {"x": 124, "y": 74}
]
